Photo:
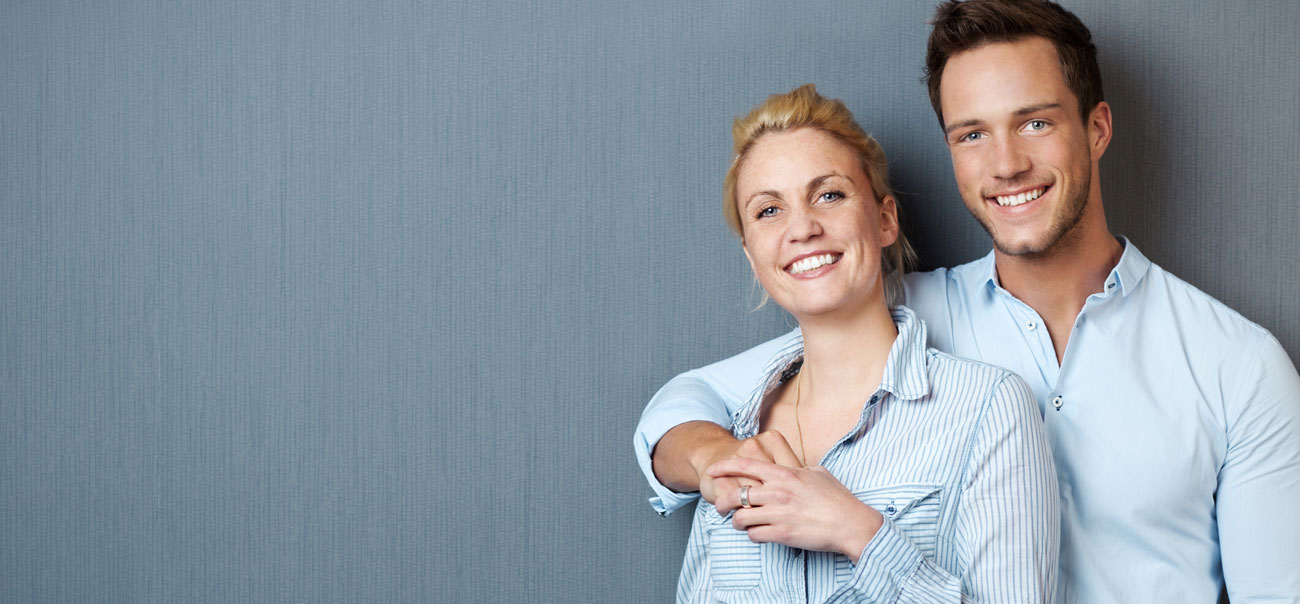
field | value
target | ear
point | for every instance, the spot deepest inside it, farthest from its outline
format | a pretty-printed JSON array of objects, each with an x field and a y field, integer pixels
[
  {"x": 889, "y": 228},
  {"x": 1099, "y": 129}
]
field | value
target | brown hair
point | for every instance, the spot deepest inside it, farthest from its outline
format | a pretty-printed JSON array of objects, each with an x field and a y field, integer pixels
[
  {"x": 803, "y": 107},
  {"x": 962, "y": 26}
]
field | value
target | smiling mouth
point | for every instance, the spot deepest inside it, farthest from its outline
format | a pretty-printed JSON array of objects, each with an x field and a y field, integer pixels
[
  {"x": 812, "y": 263},
  {"x": 1024, "y": 197}
]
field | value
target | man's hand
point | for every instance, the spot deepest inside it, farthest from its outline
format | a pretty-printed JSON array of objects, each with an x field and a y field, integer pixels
[
  {"x": 769, "y": 447},
  {"x": 806, "y": 508},
  {"x": 685, "y": 452}
]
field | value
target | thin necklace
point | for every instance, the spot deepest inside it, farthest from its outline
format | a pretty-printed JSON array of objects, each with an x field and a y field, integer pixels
[{"x": 798, "y": 390}]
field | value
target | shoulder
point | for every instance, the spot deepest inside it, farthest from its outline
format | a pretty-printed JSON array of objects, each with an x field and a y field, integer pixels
[
  {"x": 924, "y": 284},
  {"x": 755, "y": 358},
  {"x": 996, "y": 387},
  {"x": 1243, "y": 366},
  {"x": 1199, "y": 314},
  {"x": 943, "y": 297},
  {"x": 955, "y": 367}
]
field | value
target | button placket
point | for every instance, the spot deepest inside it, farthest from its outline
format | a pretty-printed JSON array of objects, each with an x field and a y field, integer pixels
[
  {"x": 836, "y": 450},
  {"x": 1038, "y": 341}
]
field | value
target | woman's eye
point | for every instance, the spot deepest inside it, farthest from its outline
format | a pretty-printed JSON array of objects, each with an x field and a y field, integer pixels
[
  {"x": 767, "y": 212},
  {"x": 831, "y": 196}
]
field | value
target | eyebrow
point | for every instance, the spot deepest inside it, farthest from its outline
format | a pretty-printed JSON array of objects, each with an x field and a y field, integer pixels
[
  {"x": 817, "y": 182},
  {"x": 812, "y": 184},
  {"x": 962, "y": 124},
  {"x": 1023, "y": 111},
  {"x": 1036, "y": 108}
]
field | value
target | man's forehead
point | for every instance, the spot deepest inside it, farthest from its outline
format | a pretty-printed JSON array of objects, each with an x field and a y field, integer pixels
[{"x": 1002, "y": 79}]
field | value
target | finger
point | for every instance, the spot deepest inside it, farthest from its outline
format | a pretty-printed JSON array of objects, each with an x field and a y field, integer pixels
[
  {"x": 769, "y": 533},
  {"x": 747, "y": 518},
  {"x": 727, "y": 498},
  {"x": 778, "y": 448},
  {"x": 751, "y": 468},
  {"x": 724, "y": 494}
]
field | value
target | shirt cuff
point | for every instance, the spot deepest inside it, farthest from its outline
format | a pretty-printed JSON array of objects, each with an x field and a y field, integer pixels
[
  {"x": 890, "y": 565},
  {"x": 674, "y": 405}
]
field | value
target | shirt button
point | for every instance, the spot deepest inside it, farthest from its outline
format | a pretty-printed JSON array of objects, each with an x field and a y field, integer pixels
[
  {"x": 1057, "y": 402},
  {"x": 1031, "y": 325},
  {"x": 1110, "y": 285},
  {"x": 890, "y": 509}
]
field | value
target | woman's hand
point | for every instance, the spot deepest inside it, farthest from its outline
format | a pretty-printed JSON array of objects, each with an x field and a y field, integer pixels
[
  {"x": 807, "y": 508},
  {"x": 769, "y": 446}
]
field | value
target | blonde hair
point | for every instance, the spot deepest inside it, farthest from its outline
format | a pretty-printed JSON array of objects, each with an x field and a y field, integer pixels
[{"x": 804, "y": 108}]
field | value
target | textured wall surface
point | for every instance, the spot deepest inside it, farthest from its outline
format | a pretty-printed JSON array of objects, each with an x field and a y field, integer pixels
[{"x": 360, "y": 301}]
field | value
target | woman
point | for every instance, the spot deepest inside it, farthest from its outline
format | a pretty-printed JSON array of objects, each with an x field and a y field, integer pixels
[{"x": 909, "y": 475}]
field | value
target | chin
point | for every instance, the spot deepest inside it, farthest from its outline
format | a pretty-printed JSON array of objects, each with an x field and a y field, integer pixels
[
  {"x": 1027, "y": 249},
  {"x": 825, "y": 307}
]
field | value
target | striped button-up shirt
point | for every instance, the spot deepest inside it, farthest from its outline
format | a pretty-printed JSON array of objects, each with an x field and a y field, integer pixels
[{"x": 953, "y": 455}]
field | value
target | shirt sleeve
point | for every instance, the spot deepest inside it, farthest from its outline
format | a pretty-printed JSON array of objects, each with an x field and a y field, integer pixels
[
  {"x": 1008, "y": 520},
  {"x": 712, "y": 394},
  {"x": 1259, "y": 483}
]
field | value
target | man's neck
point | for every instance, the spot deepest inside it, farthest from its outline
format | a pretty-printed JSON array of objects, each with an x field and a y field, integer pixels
[{"x": 1057, "y": 283}]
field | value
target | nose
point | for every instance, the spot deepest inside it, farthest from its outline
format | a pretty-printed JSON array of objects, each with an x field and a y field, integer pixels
[
  {"x": 1011, "y": 160},
  {"x": 804, "y": 224}
]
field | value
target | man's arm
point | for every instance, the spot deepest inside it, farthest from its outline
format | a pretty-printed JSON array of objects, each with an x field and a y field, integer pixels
[
  {"x": 686, "y": 450},
  {"x": 706, "y": 395},
  {"x": 1259, "y": 483}
]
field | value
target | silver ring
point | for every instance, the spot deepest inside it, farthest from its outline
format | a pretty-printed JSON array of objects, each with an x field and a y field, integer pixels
[{"x": 744, "y": 497}]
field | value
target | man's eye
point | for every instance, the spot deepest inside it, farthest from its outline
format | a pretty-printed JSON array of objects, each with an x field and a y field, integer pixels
[
  {"x": 1036, "y": 125},
  {"x": 971, "y": 136}
]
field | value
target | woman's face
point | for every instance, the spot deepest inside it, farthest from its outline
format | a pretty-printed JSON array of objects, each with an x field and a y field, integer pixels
[{"x": 812, "y": 228}]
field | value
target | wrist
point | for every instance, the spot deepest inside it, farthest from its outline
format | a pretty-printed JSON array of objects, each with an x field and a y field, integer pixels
[
  {"x": 708, "y": 453},
  {"x": 865, "y": 524}
]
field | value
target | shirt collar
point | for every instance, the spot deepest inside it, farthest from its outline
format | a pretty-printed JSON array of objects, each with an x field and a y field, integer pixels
[
  {"x": 905, "y": 375},
  {"x": 1130, "y": 270},
  {"x": 1126, "y": 275}
]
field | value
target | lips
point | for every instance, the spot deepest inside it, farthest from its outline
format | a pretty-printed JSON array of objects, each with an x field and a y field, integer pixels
[
  {"x": 1020, "y": 198},
  {"x": 812, "y": 262}
]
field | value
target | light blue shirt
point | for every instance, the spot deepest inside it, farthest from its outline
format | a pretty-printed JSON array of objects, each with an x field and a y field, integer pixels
[
  {"x": 953, "y": 455},
  {"x": 1174, "y": 423}
]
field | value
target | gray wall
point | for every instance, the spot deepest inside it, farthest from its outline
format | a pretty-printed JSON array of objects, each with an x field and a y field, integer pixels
[{"x": 325, "y": 301}]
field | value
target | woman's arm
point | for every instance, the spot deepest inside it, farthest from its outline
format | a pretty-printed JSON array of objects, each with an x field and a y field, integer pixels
[
  {"x": 1007, "y": 517},
  {"x": 1009, "y": 511}
]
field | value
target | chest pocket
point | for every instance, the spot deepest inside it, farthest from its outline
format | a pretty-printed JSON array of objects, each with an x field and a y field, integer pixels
[
  {"x": 913, "y": 509},
  {"x": 735, "y": 562}
]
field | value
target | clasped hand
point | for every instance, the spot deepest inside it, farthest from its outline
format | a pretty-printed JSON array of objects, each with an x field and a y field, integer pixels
[{"x": 803, "y": 507}]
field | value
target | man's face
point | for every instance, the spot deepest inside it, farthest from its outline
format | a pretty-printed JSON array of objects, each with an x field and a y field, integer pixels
[{"x": 1022, "y": 157}]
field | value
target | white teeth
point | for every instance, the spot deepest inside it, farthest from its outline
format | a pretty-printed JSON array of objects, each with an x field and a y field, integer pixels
[
  {"x": 1015, "y": 200},
  {"x": 811, "y": 263}
]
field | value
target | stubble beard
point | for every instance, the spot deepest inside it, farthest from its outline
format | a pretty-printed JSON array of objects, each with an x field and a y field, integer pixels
[{"x": 1061, "y": 230}]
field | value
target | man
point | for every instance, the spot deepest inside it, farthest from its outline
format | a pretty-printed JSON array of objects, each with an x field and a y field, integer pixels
[{"x": 1174, "y": 421}]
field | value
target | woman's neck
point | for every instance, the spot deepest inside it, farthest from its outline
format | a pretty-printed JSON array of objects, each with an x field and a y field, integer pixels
[{"x": 844, "y": 360}]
